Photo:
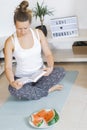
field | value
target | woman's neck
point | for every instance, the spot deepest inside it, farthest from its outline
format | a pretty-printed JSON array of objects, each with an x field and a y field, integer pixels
[{"x": 19, "y": 35}]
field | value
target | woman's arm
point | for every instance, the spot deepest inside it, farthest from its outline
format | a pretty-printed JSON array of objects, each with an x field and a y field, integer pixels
[
  {"x": 8, "y": 60},
  {"x": 47, "y": 52},
  {"x": 8, "y": 63}
]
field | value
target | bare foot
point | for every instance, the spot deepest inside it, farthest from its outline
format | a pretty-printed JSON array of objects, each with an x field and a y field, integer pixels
[{"x": 55, "y": 88}]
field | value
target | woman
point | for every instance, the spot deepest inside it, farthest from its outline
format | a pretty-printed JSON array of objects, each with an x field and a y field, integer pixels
[{"x": 26, "y": 45}]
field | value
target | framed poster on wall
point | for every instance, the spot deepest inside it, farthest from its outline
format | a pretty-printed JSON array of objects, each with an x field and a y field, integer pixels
[{"x": 64, "y": 27}]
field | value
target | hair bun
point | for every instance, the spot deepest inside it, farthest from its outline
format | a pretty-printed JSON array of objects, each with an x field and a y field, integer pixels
[{"x": 23, "y": 6}]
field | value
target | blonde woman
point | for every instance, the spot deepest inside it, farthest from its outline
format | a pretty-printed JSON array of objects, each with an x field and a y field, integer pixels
[{"x": 26, "y": 44}]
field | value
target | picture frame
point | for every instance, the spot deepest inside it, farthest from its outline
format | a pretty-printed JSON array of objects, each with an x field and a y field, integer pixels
[{"x": 64, "y": 27}]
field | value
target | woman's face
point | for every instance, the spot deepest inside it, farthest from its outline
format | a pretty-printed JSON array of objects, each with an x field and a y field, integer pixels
[{"x": 22, "y": 28}]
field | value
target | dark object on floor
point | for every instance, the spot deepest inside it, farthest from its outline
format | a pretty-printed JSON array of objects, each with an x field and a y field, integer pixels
[{"x": 80, "y": 47}]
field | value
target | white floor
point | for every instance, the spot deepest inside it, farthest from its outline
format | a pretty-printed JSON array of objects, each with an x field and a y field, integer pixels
[{"x": 74, "y": 113}]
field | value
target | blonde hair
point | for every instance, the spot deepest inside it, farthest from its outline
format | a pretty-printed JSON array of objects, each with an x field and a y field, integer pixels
[{"x": 22, "y": 13}]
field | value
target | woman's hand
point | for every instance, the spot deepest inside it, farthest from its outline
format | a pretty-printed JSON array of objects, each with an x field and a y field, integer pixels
[
  {"x": 48, "y": 70},
  {"x": 17, "y": 84}
]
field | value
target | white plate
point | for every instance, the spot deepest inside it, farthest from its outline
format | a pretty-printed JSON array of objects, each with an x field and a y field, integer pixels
[{"x": 44, "y": 124}]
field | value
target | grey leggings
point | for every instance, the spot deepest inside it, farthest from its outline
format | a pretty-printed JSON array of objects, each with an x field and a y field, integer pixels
[{"x": 34, "y": 91}]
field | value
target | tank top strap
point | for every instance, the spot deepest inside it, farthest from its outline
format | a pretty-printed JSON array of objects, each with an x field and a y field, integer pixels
[
  {"x": 37, "y": 34},
  {"x": 12, "y": 38}
]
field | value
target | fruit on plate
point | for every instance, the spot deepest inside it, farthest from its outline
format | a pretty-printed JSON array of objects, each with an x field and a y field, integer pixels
[
  {"x": 40, "y": 113},
  {"x": 37, "y": 118},
  {"x": 51, "y": 117},
  {"x": 45, "y": 116},
  {"x": 37, "y": 122}
]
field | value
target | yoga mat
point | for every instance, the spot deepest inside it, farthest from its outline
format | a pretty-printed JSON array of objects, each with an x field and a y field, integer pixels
[{"x": 14, "y": 113}]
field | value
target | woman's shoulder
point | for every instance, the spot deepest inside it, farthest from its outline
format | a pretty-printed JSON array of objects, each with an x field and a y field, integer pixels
[
  {"x": 36, "y": 30},
  {"x": 39, "y": 31},
  {"x": 39, "y": 34},
  {"x": 9, "y": 40}
]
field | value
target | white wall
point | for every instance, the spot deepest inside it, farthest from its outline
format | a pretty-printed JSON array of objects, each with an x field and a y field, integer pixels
[{"x": 62, "y": 8}]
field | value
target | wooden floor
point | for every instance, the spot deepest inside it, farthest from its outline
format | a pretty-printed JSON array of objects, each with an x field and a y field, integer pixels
[{"x": 74, "y": 113}]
